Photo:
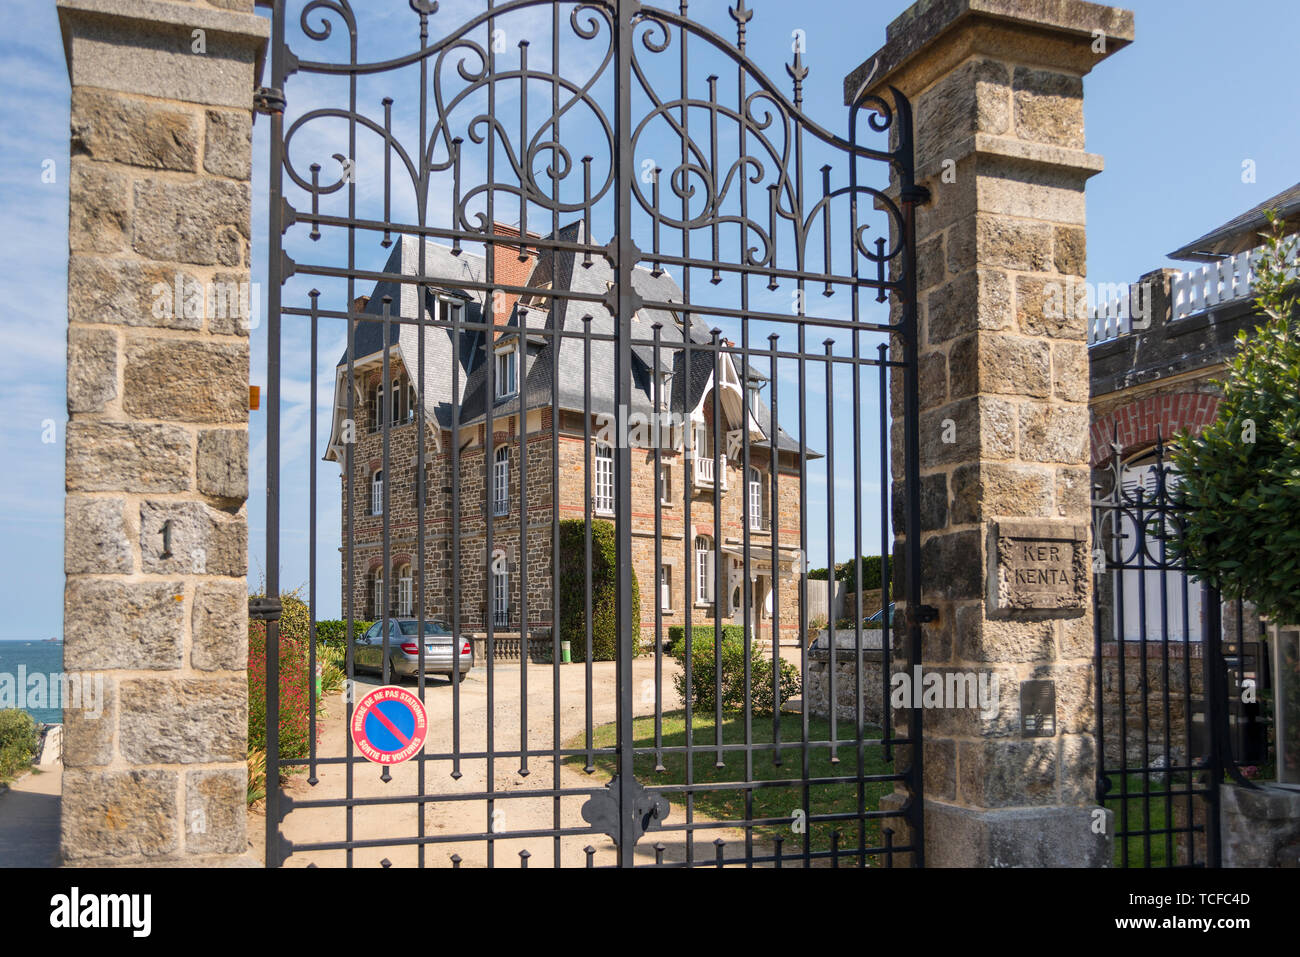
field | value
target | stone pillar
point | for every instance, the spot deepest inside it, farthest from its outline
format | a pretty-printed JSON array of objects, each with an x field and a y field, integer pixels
[
  {"x": 997, "y": 90},
  {"x": 155, "y": 554}
]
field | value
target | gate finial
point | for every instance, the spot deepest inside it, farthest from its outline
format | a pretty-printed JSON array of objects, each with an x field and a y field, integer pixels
[{"x": 742, "y": 15}]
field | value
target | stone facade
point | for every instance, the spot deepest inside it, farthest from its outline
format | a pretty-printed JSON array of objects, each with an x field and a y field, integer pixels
[
  {"x": 157, "y": 444},
  {"x": 676, "y": 548}
]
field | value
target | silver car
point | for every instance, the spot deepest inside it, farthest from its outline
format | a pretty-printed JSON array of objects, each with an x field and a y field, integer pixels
[{"x": 404, "y": 650}]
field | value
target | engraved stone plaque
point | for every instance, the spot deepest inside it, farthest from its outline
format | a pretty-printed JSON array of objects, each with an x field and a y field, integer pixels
[{"x": 1040, "y": 566}]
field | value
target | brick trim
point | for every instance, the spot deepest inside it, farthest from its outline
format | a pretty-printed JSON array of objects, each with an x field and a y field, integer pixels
[{"x": 1142, "y": 422}]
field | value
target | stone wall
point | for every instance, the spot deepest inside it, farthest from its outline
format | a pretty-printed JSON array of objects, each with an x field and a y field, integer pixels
[
  {"x": 1260, "y": 827},
  {"x": 1122, "y": 703},
  {"x": 157, "y": 445}
]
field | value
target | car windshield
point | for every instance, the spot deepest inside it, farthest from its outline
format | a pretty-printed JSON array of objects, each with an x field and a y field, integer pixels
[
  {"x": 430, "y": 628},
  {"x": 878, "y": 617}
]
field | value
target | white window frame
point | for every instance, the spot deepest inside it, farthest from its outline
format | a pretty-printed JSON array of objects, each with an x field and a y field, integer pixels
[
  {"x": 705, "y": 570},
  {"x": 405, "y": 592},
  {"x": 666, "y": 486},
  {"x": 602, "y": 486},
  {"x": 377, "y": 493},
  {"x": 507, "y": 372},
  {"x": 501, "y": 481},
  {"x": 380, "y": 599},
  {"x": 755, "y": 488},
  {"x": 704, "y": 471},
  {"x": 379, "y": 407},
  {"x": 500, "y": 608},
  {"x": 665, "y": 588}
]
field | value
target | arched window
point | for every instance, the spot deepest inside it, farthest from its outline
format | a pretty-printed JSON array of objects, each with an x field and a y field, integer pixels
[
  {"x": 405, "y": 592},
  {"x": 379, "y": 601},
  {"x": 377, "y": 493},
  {"x": 501, "y": 481},
  {"x": 1141, "y": 582},
  {"x": 756, "y": 522},
  {"x": 377, "y": 408},
  {"x": 603, "y": 485},
  {"x": 398, "y": 394},
  {"x": 704, "y": 569}
]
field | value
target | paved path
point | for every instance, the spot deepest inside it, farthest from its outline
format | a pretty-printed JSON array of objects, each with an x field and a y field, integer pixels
[{"x": 29, "y": 820}]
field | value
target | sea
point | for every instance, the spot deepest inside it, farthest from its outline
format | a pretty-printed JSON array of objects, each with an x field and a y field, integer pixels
[{"x": 38, "y": 657}]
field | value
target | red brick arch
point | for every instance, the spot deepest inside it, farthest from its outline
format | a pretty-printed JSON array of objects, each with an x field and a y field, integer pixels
[{"x": 1143, "y": 421}]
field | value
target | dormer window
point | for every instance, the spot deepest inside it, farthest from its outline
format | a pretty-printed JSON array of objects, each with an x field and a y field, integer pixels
[{"x": 507, "y": 372}]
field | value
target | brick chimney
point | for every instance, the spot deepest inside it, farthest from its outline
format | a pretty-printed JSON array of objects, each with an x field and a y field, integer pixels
[{"x": 512, "y": 266}]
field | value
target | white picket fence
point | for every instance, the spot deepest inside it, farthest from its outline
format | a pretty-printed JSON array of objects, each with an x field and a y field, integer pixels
[{"x": 1192, "y": 292}]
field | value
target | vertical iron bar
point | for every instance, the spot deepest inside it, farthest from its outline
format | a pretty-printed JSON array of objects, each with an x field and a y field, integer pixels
[
  {"x": 1214, "y": 681},
  {"x": 274, "y": 276},
  {"x": 623, "y": 455},
  {"x": 886, "y": 558},
  {"x": 314, "y": 295},
  {"x": 911, "y": 197}
]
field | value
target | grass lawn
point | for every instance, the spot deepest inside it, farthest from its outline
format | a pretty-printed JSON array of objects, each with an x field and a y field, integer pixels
[
  {"x": 1158, "y": 820},
  {"x": 768, "y": 802}
]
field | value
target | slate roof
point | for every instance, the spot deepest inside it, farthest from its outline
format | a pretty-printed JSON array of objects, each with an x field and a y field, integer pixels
[
  {"x": 1241, "y": 233},
  {"x": 562, "y": 270}
]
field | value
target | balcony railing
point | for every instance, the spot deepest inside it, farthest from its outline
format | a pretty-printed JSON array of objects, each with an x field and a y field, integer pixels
[
  {"x": 377, "y": 426},
  {"x": 501, "y": 619},
  {"x": 704, "y": 473},
  {"x": 1190, "y": 292}
]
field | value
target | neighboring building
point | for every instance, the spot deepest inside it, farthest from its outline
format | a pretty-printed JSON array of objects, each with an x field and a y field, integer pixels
[
  {"x": 458, "y": 410},
  {"x": 1154, "y": 352}
]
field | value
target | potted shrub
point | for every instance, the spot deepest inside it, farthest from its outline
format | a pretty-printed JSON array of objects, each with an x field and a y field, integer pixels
[{"x": 1241, "y": 480}]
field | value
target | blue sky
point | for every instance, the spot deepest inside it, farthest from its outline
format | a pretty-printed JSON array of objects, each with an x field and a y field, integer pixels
[{"x": 1176, "y": 115}]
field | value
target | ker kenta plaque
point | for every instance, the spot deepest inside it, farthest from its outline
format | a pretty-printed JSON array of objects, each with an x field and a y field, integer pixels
[{"x": 1041, "y": 565}]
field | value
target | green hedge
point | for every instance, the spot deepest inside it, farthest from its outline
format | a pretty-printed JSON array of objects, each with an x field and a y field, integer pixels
[
  {"x": 18, "y": 742},
  {"x": 332, "y": 631},
  {"x": 604, "y": 590},
  {"x": 703, "y": 634},
  {"x": 704, "y": 672},
  {"x": 872, "y": 572}
]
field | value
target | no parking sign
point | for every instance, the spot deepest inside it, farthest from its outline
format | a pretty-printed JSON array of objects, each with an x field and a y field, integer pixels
[{"x": 389, "y": 725}]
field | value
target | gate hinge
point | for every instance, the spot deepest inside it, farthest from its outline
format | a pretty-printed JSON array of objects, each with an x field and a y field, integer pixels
[
  {"x": 923, "y": 614},
  {"x": 602, "y": 810},
  {"x": 268, "y": 100},
  {"x": 264, "y": 609},
  {"x": 916, "y": 194}
]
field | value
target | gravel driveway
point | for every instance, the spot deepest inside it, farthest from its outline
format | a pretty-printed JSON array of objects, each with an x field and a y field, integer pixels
[{"x": 450, "y": 818}]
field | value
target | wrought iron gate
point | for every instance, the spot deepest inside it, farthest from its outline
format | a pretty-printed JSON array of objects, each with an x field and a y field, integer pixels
[
  {"x": 1169, "y": 678},
  {"x": 573, "y": 276}
]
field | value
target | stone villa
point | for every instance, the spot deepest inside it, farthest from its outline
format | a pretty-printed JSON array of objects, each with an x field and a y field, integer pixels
[{"x": 459, "y": 410}]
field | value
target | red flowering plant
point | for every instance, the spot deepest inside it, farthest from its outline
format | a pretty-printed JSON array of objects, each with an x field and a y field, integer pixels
[{"x": 295, "y": 680}]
